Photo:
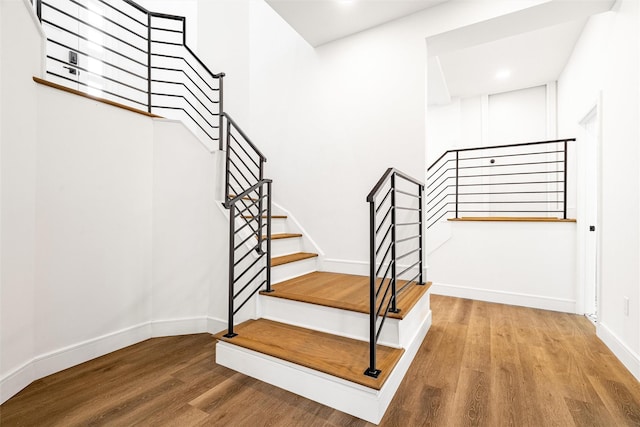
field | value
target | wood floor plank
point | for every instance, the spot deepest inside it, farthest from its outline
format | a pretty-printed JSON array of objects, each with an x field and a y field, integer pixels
[
  {"x": 587, "y": 414},
  {"x": 152, "y": 383},
  {"x": 471, "y": 400}
]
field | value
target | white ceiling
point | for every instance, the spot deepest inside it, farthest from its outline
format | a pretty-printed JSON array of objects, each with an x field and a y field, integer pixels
[
  {"x": 532, "y": 58},
  {"x": 534, "y": 44},
  {"x": 322, "y": 21}
]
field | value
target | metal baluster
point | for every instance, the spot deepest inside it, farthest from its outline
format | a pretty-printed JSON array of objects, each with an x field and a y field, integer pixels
[
  {"x": 457, "y": 177},
  {"x": 564, "y": 195},
  {"x": 232, "y": 233},
  {"x": 220, "y": 111},
  {"x": 394, "y": 278},
  {"x": 371, "y": 370},
  {"x": 421, "y": 232},
  {"x": 228, "y": 160},
  {"x": 260, "y": 194},
  {"x": 269, "y": 237},
  {"x": 149, "y": 44}
]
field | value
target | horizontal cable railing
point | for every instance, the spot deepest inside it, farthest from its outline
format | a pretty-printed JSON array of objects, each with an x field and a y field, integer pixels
[
  {"x": 118, "y": 50},
  {"x": 396, "y": 248},
  {"x": 514, "y": 180},
  {"x": 248, "y": 198}
]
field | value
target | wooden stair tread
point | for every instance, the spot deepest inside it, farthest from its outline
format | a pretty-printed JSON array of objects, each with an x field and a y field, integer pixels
[
  {"x": 342, "y": 291},
  {"x": 341, "y": 357},
  {"x": 510, "y": 219},
  {"x": 278, "y": 236},
  {"x": 286, "y": 259}
]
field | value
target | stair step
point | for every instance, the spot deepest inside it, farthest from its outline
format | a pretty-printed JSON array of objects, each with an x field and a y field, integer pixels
[
  {"x": 278, "y": 236},
  {"x": 334, "y": 355},
  {"x": 342, "y": 291},
  {"x": 286, "y": 259}
]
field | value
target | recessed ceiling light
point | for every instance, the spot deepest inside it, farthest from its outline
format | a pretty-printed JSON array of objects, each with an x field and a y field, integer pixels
[{"x": 503, "y": 74}]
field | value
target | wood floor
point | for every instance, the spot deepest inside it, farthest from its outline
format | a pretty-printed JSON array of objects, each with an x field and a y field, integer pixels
[{"x": 481, "y": 364}]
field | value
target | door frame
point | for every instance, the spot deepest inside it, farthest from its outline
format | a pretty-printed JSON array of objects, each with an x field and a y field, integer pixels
[{"x": 594, "y": 111}]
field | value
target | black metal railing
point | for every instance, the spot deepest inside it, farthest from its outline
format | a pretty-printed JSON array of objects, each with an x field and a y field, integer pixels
[
  {"x": 396, "y": 234},
  {"x": 118, "y": 50},
  {"x": 249, "y": 259},
  {"x": 514, "y": 180},
  {"x": 248, "y": 198}
]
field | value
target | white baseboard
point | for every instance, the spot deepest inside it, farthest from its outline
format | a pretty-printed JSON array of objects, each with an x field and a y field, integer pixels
[
  {"x": 16, "y": 380},
  {"x": 502, "y": 297},
  {"x": 66, "y": 357},
  {"x": 629, "y": 358},
  {"x": 184, "y": 326},
  {"x": 215, "y": 325},
  {"x": 58, "y": 360}
]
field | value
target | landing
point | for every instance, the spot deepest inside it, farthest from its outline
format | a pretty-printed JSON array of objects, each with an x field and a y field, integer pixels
[
  {"x": 334, "y": 355},
  {"x": 343, "y": 291}
]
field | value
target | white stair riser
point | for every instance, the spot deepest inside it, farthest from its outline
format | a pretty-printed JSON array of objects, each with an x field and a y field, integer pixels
[
  {"x": 278, "y": 225},
  {"x": 281, "y": 247},
  {"x": 395, "y": 333},
  {"x": 326, "y": 319},
  {"x": 293, "y": 269}
]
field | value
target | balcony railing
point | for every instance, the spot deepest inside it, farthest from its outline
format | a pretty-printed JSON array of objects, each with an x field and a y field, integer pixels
[
  {"x": 515, "y": 180},
  {"x": 120, "y": 51}
]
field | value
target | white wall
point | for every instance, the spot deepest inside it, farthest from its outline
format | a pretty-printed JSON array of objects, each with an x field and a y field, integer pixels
[
  {"x": 518, "y": 116},
  {"x": 18, "y": 169},
  {"x": 605, "y": 64},
  {"x": 509, "y": 263},
  {"x": 190, "y": 235},
  {"x": 331, "y": 120},
  {"x": 491, "y": 119},
  {"x": 93, "y": 220},
  {"x": 223, "y": 31},
  {"x": 110, "y": 232}
]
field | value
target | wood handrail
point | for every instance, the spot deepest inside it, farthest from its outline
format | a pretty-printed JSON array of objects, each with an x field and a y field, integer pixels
[{"x": 92, "y": 97}]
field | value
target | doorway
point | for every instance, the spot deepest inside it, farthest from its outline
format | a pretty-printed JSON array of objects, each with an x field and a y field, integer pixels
[{"x": 591, "y": 225}]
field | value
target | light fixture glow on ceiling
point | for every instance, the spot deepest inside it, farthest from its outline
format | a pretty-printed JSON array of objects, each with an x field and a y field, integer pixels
[{"x": 503, "y": 74}]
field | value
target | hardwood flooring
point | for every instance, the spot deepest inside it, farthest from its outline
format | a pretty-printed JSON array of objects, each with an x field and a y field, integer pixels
[{"x": 481, "y": 364}]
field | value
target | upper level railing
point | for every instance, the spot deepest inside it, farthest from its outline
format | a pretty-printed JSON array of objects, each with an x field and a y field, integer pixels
[
  {"x": 515, "y": 180},
  {"x": 120, "y": 51},
  {"x": 396, "y": 234}
]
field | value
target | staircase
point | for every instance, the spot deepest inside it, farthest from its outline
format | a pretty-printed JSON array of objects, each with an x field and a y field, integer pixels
[
  {"x": 310, "y": 333},
  {"x": 318, "y": 334}
]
